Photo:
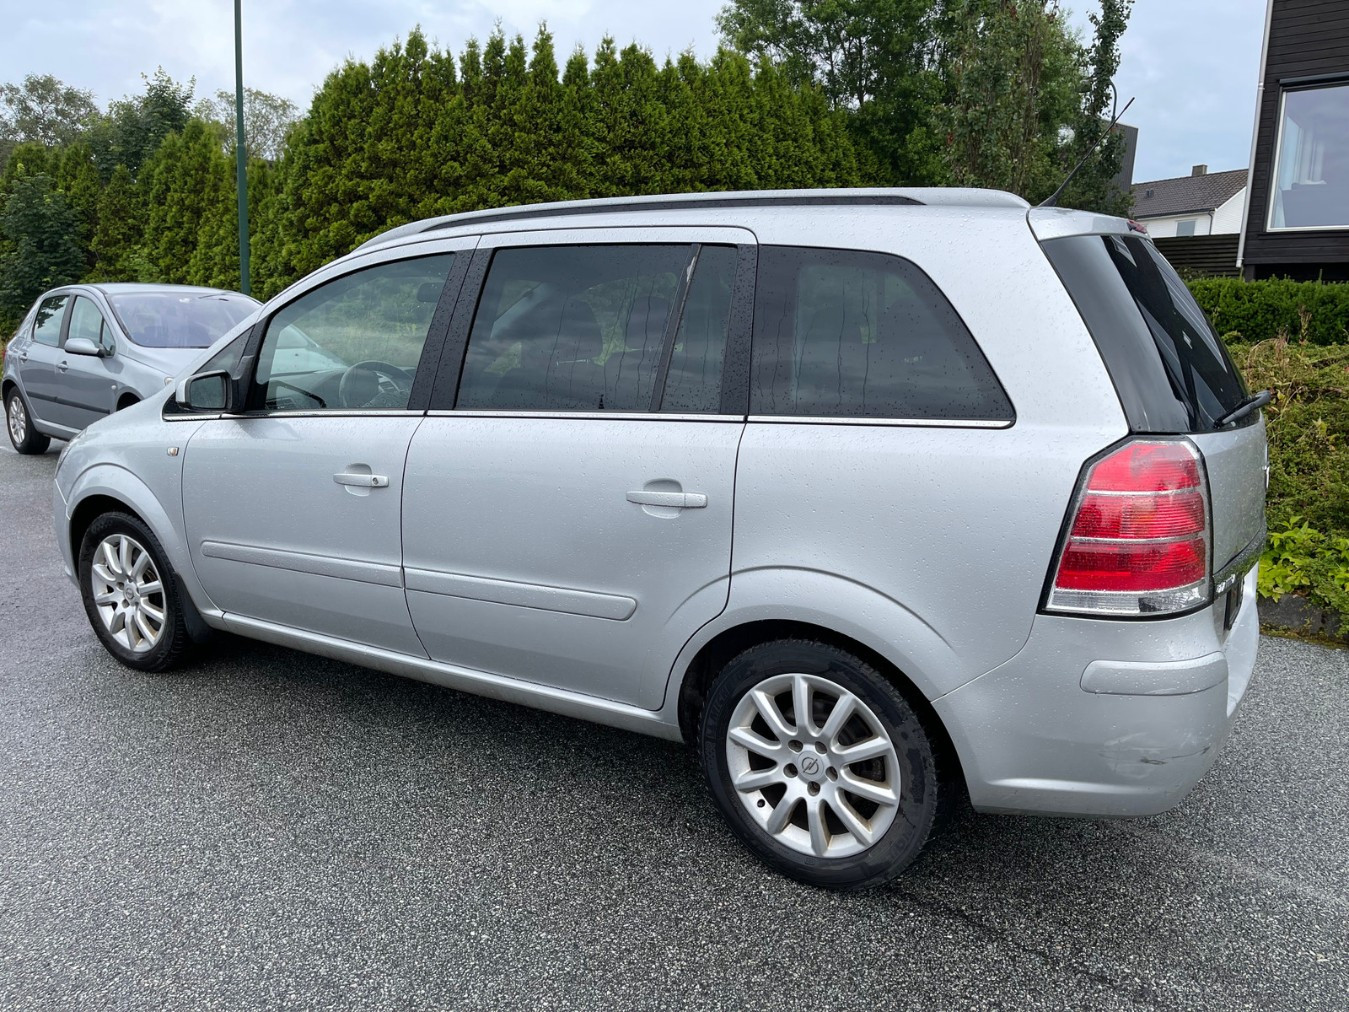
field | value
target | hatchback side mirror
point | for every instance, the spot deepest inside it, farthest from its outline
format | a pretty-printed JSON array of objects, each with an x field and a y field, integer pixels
[
  {"x": 83, "y": 346},
  {"x": 207, "y": 391}
]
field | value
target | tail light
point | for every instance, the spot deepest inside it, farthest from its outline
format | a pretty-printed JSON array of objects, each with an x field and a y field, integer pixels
[{"x": 1138, "y": 537}]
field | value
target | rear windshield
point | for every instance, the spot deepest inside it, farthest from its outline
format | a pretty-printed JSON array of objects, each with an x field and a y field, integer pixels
[
  {"x": 177, "y": 319},
  {"x": 1171, "y": 370}
]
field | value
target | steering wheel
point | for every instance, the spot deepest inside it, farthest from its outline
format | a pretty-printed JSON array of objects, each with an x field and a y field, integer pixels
[{"x": 366, "y": 383}]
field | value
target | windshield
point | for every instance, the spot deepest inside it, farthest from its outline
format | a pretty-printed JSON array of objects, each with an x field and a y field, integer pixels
[{"x": 178, "y": 319}]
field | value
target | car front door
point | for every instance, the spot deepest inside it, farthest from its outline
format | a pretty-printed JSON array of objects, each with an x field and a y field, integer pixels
[
  {"x": 292, "y": 506},
  {"x": 88, "y": 382},
  {"x": 37, "y": 361},
  {"x": 567, "y": 515}
]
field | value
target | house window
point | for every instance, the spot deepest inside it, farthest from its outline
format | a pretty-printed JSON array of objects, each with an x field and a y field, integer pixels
[
  {"x": 1185, "y": 227},
  {"x": 1311, "y": 161}
]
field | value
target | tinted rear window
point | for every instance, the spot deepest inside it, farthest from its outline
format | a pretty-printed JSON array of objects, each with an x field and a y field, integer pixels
[
  {"x": 1171, "y": 370},
  {"x": 847, "y": 333}
]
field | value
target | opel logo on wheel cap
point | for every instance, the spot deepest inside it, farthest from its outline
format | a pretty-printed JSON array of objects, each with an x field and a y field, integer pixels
[{"x": 810, "y": 765}]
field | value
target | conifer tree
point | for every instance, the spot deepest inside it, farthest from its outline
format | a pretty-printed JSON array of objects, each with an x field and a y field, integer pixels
[
  {"x": 189, "y": 181},
  {"x": 118, "y": 230}
]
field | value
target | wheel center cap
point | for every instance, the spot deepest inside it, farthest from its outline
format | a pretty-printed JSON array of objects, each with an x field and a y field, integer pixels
[
  {"x": 128, "y": 595},
  {"x": 812, "y": 767}
]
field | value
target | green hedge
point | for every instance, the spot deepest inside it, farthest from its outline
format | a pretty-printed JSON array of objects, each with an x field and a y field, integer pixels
[
  {"x": 1251, "y": 311},
  {"x": 1308, "y": 504}
]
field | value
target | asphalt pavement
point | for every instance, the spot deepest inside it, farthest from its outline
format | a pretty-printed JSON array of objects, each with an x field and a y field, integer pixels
[{"x": 271, "y": 830}]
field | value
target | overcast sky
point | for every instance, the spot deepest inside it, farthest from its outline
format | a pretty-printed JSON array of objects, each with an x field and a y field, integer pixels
[{"x": 1190, "y": 64}]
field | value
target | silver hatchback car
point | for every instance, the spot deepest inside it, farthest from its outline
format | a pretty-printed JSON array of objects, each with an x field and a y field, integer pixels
[
  {"x": 877, "y": 497},
  {"x": 85, "y": 351}
]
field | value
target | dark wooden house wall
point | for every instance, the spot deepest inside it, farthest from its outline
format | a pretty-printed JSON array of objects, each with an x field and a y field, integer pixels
[
  {"x": 1201, "y": 255},
  {"x": 1307, "y": 38}
]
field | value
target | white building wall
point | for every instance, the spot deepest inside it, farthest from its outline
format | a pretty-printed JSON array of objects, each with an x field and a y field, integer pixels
[
  {"x": 1165, "y": 227},
  {"x": 1227, "y": 219}
]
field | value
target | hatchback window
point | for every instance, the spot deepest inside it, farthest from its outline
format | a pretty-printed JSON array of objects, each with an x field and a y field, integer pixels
[
  {"x": 845, "y": 333},
  {"x": 47, "y": 324},
  {"x": 1195, "y": 358},
  {"x": 572, "y": 328},
  {"x": 87, "y": 322},
  {"x": 1171, "y": 370},
  {"x": 353, "y": 343}
]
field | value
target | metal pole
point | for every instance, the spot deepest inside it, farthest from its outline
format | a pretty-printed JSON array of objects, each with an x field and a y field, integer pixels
[{"x": 240, "y": 153}]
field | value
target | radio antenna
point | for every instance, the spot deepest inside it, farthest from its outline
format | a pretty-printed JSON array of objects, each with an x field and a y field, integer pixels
[{"x": 1053, "y": 199}]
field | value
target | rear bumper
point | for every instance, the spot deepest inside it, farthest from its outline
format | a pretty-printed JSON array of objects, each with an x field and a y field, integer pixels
[{"x": 1103, "y": 718}]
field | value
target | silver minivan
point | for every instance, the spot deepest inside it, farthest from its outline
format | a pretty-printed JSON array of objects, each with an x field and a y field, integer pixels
[{"x": 879, "y": 498}]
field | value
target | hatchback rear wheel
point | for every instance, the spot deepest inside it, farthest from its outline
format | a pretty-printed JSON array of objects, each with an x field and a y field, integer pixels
[
  {"x": 22, "y": 435},
  {"x": 819, "y": 764}
]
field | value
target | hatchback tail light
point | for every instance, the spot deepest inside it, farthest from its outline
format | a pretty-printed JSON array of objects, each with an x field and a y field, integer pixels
[{"x": 1138, "y": 536}]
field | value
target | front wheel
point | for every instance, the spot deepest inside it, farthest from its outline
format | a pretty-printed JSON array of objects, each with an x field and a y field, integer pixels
[
  {"x": 129, "y": 593},
  {"x": 22, "y": 435},
  {"x": 819, "y": 764}
]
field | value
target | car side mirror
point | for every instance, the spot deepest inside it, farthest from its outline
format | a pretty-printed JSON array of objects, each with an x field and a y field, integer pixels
[
  {"x": 83, "y": 346},
  {"x": 207, "y": 391}
]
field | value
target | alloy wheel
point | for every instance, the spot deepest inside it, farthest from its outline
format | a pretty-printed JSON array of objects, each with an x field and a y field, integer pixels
[
  {"x": 18, "y": 420},
  {"x": 128, "y": 592},
  {"x": 813, "y": 765}
]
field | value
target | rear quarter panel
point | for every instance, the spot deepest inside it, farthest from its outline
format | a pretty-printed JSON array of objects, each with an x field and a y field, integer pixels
[{"x": 949, "y": 529}]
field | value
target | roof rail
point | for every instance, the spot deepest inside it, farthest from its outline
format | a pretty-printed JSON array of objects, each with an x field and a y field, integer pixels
[{"x": 875, "y": 196}]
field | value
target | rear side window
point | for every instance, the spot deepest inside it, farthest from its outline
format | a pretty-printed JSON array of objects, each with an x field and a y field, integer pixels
[
  {"x": 846, "y": 333},
  {"x": 47, "y": 325},
  {"x": 572, "y": 328},
  {"x": 1170, "y": 368}
]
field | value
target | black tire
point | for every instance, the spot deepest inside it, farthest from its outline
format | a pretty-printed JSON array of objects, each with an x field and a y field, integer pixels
[
  {"x": 16, "y": 411},
  {"x": 914, "y": 760},
  {"x": 165, "y": 653}
]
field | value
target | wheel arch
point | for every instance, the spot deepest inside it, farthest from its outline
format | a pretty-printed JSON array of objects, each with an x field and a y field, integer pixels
[
  {"x": 714, "y": 655},
  {"x": 127, "y": 399},
  {"x": 111, "y": 487},
  {"x": 89, "y": 509}
]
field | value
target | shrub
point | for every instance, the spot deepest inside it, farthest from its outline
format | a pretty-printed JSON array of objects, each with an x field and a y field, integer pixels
[
  {"x": 1308, "y": 504},
  {"x": 1301, "y": 560},
  {"x": 1251, "y": 311},
  {"x": 1308, "y": 428}
]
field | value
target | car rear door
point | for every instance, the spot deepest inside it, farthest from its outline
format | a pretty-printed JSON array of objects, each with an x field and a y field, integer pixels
[
  {"x": 292, "y": 506},
  {"x": 567, "y": 503},
  {"x": 37, "y": 360}
]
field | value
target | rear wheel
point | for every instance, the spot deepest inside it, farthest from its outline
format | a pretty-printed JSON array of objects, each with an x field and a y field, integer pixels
[
  {"x": 22, "y": 435},
  {"x": 130, "y": 595},
  {"x": 819, "y": 764}
]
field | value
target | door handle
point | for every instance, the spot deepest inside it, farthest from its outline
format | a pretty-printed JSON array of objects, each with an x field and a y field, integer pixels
[
  {"x": 675, "y": 500},
  {"x": 23, "y": 355},
  {"x": 63, "y": 366},
  {"x": 361, "y": 480}
]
